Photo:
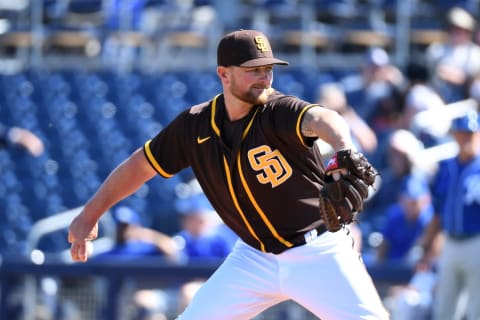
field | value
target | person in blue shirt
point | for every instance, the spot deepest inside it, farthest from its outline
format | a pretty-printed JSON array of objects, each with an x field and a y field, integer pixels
[
  {"x": 401, "y": 162},
  {"x": 456, "y": 195},
  {"x": 202, "y": 235},
  {"x": 134, "y": 240},
  {"x": 406, "y": 221}
]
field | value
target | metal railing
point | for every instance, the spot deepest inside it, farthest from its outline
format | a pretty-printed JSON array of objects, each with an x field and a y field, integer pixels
[{"x": 114, "y": 275}]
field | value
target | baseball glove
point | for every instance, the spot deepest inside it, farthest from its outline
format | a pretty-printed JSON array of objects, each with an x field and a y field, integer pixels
[{"x": 347, "y": 178}]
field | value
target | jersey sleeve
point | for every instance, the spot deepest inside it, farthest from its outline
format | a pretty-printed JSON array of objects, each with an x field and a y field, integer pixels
[
  {"x": 166, "y": 151},
  {"x": 439, "y": 187},
  {"x": 288, "y": 113}
]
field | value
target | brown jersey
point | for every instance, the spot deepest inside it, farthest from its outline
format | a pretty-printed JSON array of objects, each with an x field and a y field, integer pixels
[{"x": 262, "y": 178}]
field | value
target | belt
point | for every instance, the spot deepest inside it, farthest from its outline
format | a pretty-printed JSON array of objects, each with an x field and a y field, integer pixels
[
  {"x": 462, "y": 236},
  {"x": 308, "y": 236}
]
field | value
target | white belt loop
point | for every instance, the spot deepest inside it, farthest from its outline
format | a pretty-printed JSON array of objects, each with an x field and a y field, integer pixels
[{"x": 310, "y": 235}]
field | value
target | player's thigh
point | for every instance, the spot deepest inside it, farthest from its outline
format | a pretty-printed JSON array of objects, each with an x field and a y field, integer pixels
[
  {"x": 242, "y": 287},
  {"x": 332, "y": 282}
]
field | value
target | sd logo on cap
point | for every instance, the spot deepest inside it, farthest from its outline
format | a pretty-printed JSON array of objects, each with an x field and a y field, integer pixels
[{"x": 246, "y": 48}]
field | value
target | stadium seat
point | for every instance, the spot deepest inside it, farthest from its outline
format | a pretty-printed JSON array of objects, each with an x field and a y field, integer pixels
[
  {"x": 11, "y": 181},
  {"x": 311, "y": 80},
  {"x": 17, "y": 213},
  {"x": 286, "y": 83},
  {"x": 54, "y": 203},
  {"x": 6, "y": 161},
  {"x": 74, "y": 27}
]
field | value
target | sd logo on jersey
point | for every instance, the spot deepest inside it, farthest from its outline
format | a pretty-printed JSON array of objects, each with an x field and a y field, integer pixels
[{"x": 273, "y": 166}]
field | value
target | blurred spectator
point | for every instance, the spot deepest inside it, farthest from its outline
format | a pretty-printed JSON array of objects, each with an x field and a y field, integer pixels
[
  {"x": 133, "y": 240},
  {"x": 454, "y": 62},
  {"x": 26, "y": 139},
  {"x": 379, "y": 79},
  {"x": 474, "y": 90},
  {"x": 378, "y": 67},
  {"x": 332, "y": 96},
  {"x": 124, "y": 15},
  {"x": 405, "y": 222},
  {"x": 203, "y": 237},
  {"x": 22, "y": 137},
  {"x": 202, "y": 234},
  {"x": 377, "y": 97},
  {"x": 412, "y": 301},
  {"x": 401, "y": 156},
  {"x": 456, "y": 195},
  {"x": 423, "y": 112},
  {"x": 388, "y": 111}
]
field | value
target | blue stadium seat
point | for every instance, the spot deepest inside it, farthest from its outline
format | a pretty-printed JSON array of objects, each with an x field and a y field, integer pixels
[
  {"x": 16, "y": 212},
  {"x": 87, "y": 84},
  {"x": 169, "y": 85},
  {"x": 202, "y": 86},
  {"x": 11, "y": 242},
  {"x": 16, "y": 86},
  {"x": 286, "y": 83},
  {"x": 54, "y": 83},
  {"x": 21, "y": 107},
  {"x": 54, "y": 204},
  {"x": 85, "y": 6},
  {"x": 6, "y": 161},
  {"x": 10, "y": 180},
  {"x": 147, "y": 130},
  {"x": 61, "y": 108},
  {"x": 169, "y": 107},
  {"x": 73, "y": 141},
  {"x": 91, "y": 121},
  {"x": 312, "y": 80},
  {"x": 126, "y": 14},
  {"x": 54, "y": 242}
]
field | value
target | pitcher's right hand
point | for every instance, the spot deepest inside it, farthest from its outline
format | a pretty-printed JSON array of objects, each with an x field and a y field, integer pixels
[{"x": 80, "y": 236}]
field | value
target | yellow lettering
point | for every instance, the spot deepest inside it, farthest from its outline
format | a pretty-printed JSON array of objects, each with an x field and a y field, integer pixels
[
  {"x": 273, "y": 166},
  {"x": 261, "y": 43}
]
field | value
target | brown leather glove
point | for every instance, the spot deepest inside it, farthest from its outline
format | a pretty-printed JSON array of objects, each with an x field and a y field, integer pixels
[{"x": 347, "y": 178}]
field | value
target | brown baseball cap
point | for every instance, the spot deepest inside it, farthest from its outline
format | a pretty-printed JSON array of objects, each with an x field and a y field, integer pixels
[{"x": 246, "y": 48}]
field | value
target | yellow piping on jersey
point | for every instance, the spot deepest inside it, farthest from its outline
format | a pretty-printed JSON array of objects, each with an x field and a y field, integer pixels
[
  {"x": 249, "y": 125},
  {"x": 250, "y": 195},
  {"x": 154, "y": 162},
  {"x": 230, "y": 186},
  {"x": 257, "y": 207},
  {"x": 235, "y": 202},
  {"x": 299, "y": 122},
  {"x": 214, "y": 125},
  {"x": 212, "y": 116}
]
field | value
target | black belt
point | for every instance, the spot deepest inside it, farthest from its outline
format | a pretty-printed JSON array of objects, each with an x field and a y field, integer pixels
[{"x": 308, "y": 236}]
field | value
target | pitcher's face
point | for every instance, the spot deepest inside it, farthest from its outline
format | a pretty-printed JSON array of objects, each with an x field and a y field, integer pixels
[{"x": 251, "y": 84}]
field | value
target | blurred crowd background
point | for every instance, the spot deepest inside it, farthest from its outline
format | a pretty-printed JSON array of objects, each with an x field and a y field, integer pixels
[{"x": 85, "y": 82}]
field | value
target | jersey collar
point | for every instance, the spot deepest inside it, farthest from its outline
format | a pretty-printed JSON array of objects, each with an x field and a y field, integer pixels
[{"x": 218, "y": 112}]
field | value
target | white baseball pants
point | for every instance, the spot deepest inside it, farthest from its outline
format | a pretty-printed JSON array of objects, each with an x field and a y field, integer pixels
[{"x": 326, "y": 276}]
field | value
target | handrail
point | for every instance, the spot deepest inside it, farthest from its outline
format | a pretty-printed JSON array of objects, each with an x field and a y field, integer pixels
[{"x": 61, "y": 221}]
